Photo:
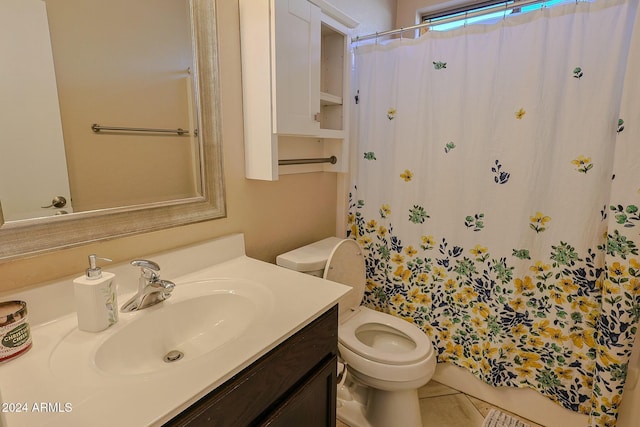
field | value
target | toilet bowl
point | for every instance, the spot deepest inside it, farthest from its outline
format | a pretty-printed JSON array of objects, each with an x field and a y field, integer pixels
[{"x": 387, "y": 359}]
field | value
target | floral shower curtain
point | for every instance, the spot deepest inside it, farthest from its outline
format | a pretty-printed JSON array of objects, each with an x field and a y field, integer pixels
[{"x": 487, "y": 201}]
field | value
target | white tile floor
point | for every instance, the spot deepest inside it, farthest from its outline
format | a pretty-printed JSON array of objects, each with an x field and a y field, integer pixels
[{"x": 442, "y": 406}]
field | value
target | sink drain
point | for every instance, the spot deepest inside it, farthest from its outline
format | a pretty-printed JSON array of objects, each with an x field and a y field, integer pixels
[{"x": 173, "y": 356}]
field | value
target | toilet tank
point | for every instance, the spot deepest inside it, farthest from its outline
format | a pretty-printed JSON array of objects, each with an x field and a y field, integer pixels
[{"x": 309, "y": 259}]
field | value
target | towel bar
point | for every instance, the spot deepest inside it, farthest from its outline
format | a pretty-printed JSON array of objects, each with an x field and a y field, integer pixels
[
  {"x": 333, "y": 160},
  {"x": 97, "y": 128}
]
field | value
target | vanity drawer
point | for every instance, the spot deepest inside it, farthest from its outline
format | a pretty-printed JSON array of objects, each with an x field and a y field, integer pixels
[{"x": 296, "y": 380}]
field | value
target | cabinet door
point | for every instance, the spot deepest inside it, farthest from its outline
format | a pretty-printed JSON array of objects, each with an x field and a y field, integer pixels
[
  {"x": 297, "y": 68},
  {"x": 312, "y": 404}
]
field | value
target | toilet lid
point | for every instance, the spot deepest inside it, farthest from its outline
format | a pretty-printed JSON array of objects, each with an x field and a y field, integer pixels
[
  {"x": 347, "y": 336},
  {"x": 346, "y": 265}
]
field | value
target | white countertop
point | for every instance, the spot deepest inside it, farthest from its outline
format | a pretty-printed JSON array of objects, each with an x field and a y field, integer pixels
[{"x": 33, "y": 394}]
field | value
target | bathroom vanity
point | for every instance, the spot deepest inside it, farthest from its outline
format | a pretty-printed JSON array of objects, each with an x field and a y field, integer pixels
[
  {"x": 258, "y": 342},
  {"x": 292, "y": 385}
]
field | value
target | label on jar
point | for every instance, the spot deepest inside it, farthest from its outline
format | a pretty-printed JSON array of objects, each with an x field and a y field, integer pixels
[{"x": 15, "y": 335}]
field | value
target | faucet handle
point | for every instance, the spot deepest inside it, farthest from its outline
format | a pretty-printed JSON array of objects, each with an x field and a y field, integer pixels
[{"x": 149, "y": 268}]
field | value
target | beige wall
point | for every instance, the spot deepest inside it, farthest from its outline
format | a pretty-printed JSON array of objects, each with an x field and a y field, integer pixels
[
  {"x": 275, "y": 216},
  {"x": 373, "y": 15}
]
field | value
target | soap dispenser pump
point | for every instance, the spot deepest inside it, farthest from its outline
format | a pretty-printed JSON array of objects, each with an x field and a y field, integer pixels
[{"x": 95, "y": 298}]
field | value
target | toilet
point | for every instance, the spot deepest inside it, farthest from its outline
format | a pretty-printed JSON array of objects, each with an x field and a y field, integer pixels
[{"x": 387, "y": 359}]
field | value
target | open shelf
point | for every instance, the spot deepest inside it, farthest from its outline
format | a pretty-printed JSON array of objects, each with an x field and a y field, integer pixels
[
  {"x": 332, "y": 79},
  {"x": 327, "y": 99}
]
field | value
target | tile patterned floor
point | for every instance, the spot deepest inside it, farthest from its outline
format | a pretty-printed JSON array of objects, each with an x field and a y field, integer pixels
[{"x": 443, "y": 406}]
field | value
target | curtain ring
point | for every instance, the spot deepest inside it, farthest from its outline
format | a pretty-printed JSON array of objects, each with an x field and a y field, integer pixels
[
  {"x": 466, "y": 14},
  {"x": 401, "y": 32}
]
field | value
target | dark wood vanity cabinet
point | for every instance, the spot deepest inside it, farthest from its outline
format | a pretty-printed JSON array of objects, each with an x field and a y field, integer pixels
[{"x": 292, "y": 385}]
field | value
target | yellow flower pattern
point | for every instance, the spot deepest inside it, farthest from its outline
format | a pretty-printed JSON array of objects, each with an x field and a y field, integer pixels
[
  {"x": 406, "y": 175},
  {"x": 538, "y": 329},
  {"x": 583, "y": 164},
  {"x": 538, "y": 222},
  {"x": 391, "y": 113}
]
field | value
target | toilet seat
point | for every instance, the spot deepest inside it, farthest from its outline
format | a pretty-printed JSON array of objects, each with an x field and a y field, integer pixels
[
  {"x": 367, "y": 318},
  {"x": 346, "y": 265}
]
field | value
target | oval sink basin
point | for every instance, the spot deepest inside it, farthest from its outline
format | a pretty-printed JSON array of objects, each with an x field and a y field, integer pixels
[
  {"x": 199, "y": 318},
  {"x": 192, "y": 327}
]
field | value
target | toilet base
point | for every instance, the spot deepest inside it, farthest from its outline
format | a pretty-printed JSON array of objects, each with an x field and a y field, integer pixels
[
  {"x": 394, "y": 408},
  {"x": 369, "y": 407},
  {"x": 352, "y": 413}
]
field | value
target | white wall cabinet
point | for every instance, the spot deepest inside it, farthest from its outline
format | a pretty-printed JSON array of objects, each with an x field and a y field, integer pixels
[
  {"x": 295, "y": 77},
  {"x": 296, "y": 73}
]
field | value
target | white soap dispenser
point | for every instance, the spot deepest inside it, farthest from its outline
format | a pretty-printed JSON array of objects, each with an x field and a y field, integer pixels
[{"x": 96, "y": 298}]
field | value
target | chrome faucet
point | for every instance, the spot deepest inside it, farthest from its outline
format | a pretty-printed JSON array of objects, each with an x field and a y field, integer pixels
[{"x": 151, "y": 290}]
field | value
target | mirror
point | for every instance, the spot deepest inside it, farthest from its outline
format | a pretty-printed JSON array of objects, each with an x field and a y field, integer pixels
[
  {"x": 190, "y": 178},
  {"x": 81, "y": 63}
]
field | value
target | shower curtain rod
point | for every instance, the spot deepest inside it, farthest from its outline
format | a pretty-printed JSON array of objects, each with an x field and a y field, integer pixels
[{"x": 504, "y": 7}]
